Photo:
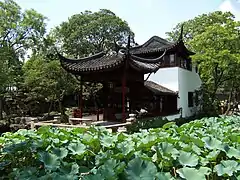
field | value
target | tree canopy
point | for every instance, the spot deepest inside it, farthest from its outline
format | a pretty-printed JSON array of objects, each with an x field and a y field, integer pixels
[
  {"x": 215, "y": 39},
  {"x": 91, "y": 32},
  {"x": 81, "y": 35},
  {"x": 20, "y": 31},
  {"x": 46, "y": 77}
]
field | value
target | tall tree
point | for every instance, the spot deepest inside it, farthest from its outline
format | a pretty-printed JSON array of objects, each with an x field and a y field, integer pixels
[
  {"x": 19, "y": 32},
  {"x": 46, "y": 77},
  {"x": 90, "y": 32},
  {"x": 215, "y": 39},
  {"x": 81, "y": 35}
]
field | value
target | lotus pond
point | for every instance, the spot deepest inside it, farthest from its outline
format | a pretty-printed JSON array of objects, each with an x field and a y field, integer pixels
[{"x": 208, "y": 148}]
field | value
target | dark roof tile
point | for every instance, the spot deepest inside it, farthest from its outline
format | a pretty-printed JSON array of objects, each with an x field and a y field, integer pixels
[
  {"x": 102, "y": 63},
  {"x": 156, "y": 41},
  {"x": 157, "y": 88},
  {"x": 147, "y": 67},
  {"x": 154, "y": 44},
  {"x": 157, "y": 44}
]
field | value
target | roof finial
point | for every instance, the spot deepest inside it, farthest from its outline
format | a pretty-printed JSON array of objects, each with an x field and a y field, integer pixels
[{"x": 181, "y": 33}]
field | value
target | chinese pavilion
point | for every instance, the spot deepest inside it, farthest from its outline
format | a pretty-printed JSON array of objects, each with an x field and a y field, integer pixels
[{"x": 122, "y": 75}]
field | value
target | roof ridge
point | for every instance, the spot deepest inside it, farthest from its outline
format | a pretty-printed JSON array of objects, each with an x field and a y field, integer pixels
[
  {"x": 86, "y": 58},
  {"x": 156, "y": 38},
  {"x": 161, "y": 86}
]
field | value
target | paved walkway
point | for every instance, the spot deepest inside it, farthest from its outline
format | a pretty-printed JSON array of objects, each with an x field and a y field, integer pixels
[{"x": 94, "y": 117}]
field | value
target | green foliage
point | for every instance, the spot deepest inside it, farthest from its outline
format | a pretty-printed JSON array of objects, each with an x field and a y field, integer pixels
[
  {"x": 198, "y": 24},
  {"x": 19, "y": 32},
  {"x": 139, "y": 169},
  {"x": 146, "y": 123},
  {"x": 193, "y": 174},
  {"x": 157, "y": 122},
  {"x": 214, "y": 37},
  {"x": 81, "y": 35},
  {"x": 202, "y": 149},
  {"x": 91, "y": 32},
  {"x": 47, "y": 78}
]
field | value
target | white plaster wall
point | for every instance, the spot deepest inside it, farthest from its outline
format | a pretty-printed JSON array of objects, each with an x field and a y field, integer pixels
[
  {"x": 181, "y": 81},
  {"x": 189, "y": 81},
  {"x": 167, "y": 77}
]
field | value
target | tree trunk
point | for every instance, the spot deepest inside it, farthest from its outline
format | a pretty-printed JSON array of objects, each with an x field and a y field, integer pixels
[
  {"x": 229, "y": 100},
  {"x": 213, "y": 94},
  {"x": 64, "y": 117},
  {"x": 1, "y": 107},
  {"x": 50, "y": 108}
]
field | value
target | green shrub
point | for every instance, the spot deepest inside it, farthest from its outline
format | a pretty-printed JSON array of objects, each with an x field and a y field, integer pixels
[
  {"x": 202, "y": 149},
  {"x": 146, "y": 123}
]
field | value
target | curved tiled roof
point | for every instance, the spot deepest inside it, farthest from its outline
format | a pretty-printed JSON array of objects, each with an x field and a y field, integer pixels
[
  {"x": 91, "y": 64},
  {"x": 157, "y": 88},
  {"x": 101, "y": 62},
  {"x": 157, "y": 44},
  {"x": 145, "y": 50},
  {"x": 156, "y": 40},
  {"x": 130, "y": 55},
  {"x": 145, "y": 67}
]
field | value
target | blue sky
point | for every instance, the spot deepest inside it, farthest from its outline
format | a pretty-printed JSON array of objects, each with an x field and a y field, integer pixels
[{"x": 145, "y": 17}]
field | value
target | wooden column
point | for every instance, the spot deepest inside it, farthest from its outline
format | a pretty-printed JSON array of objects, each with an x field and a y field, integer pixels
[
  {"x": 97, "y": 114},
  {"x": 81, "y": 99},
  {"x": 123, "y": 96},
  {"x": 104, "y": 101},
  {"x": 124, "y": 79},
  {"x": 130, "y": 105}
]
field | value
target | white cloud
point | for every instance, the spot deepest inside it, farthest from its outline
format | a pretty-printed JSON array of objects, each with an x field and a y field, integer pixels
[{"x": 231, "y": 5}]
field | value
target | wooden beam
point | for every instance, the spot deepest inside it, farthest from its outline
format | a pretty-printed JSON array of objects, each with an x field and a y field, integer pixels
[
  {"x": 123, "y": 96},
  {"x": 81, "y": 99}
]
